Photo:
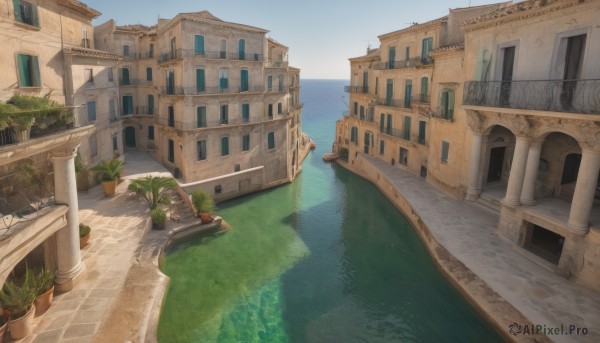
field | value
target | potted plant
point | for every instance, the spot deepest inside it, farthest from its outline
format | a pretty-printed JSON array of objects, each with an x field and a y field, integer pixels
[
  {"x": 18, "y": 301},
  {"x": 84, "y": 235},
  {"x": 154, "y": 189},
  {"x": 82, "y": 174},
  {"x": 43, "y": 284},
  {"x": 204, "y": 204},
  {"x": 109, "y": 171},
  {"x": 159, "y": 217}
]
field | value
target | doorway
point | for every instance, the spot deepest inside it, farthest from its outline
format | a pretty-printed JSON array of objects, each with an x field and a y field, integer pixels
[
  {"x": 544, "y": 243},
  {"x": 496, "y": 164},
  {"x": 130, "y": 137}
]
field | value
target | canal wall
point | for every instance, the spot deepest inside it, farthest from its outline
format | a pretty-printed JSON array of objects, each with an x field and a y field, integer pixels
[{"x": 492, "y": 306}]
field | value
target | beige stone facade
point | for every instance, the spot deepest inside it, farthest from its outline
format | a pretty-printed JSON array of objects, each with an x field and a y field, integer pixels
[
  {"x": 216, "y": 102},
  {"x": 510, "y": 124}
]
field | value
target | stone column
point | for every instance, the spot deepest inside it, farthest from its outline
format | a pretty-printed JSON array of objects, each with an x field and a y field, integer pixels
[
  {"x": 67, "y": 239},
  {"x": 583, "y": 198},
  {"x": 517, "y": 172},
  {"x": 531, "y": 173},
  {"x": 474, "y": 187}
]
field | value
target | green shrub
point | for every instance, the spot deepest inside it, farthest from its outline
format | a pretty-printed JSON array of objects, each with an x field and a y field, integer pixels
[
  {"x": 203, "y": 202},
  {"x": 159, "y": 216},
  {"x": 84, "y": 230}
]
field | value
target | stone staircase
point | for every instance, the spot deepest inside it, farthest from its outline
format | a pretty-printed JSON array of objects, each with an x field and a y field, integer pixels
[
  {"x": 488, "y": 203},
  {"x": 181, "y": 207}
]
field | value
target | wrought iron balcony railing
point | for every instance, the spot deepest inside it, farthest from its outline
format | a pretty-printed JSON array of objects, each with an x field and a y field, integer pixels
[
  {"x": 574, "y": 96},
  {"x": 356, "y": 89},
  {"x": 277, "y": 64},
  {"x": 209, "y": 90},
  {"x": 404, "y": 103},
  {"x": 210, "y": 124},
  {"x": 135, "y": 82},
  {"x": 223, "y": 55},
  {"x": 413, "y": 62}
]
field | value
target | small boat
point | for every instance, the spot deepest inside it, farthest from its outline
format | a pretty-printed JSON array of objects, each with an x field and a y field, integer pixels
[{"x": 330, "y": 156}]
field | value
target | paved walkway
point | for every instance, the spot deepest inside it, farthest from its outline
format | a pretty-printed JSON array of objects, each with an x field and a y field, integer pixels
[{"x": 469, "y": 234}]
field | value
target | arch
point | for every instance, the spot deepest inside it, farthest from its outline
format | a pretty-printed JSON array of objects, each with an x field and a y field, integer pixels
[{"x": 498, "y": 153}]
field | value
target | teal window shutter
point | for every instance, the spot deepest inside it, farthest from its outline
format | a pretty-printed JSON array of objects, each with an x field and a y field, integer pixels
[
  {"x": 381, "y": 147},
  {"x": 91, "y": 111},
  {"x": 149, "y": 74},
  {"x": 271, "y": 140},
  {"x": 201, "y": 116},
  {"x": 127, "y": 104},
  {"x": 444, "y": 104},
  {"x": 450, "y": 104},
  {"x": 422, "y": 131},
  {"x": 381, "y": 122},
  {"x": 244, "y": 80},
  {"x": 201, "y": 150},
  {"x": 24, "y": 72},
  {"x": 445, "y": 151},
  {"x": 150, "y": 104},
  {"x": 17, "y": 8},
  {"x": 270, "y": 110},
  {"x": 224, "y": 146},
  {"x": 199, "y": 45},
  {"x": 392, "y": 57},
  {"x": 269, "y": 82},
  {"x": 242, "y": 49},
  {"x": 200, "y": 80},
  {"x": 245, "y": 112},
  {"x": 223, "y": 83},
  {"x": 424, "y": 88},
  {"x": 389, "y": 124},
  {"x": 35, "y": 72},
  {"x": 279, "y": 108},
  {"x": 125, "y": 76},
  {"x": 246, "y": 143},
  {"x": 407, "y": 128},
  {"x": 224, "y": 115}
]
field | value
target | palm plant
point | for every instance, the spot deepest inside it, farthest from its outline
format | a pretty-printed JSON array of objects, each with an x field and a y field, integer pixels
[
  {"x": 18, "y": 299},
  {"x": 203, "y": 202},
  {"x": 154, "y": 189},
  {"x": 109, "y": 170}
]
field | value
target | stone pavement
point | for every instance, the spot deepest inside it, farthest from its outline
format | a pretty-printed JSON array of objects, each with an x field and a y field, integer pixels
[{"x": 469, "y": 234}]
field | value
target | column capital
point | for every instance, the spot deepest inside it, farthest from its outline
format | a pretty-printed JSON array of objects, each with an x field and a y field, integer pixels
[
  {"x": 521, "y": 125},
  {"x": 66, "y": 151}
]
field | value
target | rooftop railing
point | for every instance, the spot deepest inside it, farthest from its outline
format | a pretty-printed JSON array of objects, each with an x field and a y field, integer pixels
[
  {"x": 573, "y": 96},
  {"x": 411, "y": 63},
  {"x": 222, "y": 55}
]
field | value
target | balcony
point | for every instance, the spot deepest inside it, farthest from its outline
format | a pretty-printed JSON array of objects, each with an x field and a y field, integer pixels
[
  {"x": 421, "y": 98},
  {"x": 135, "y": 82},
  {"x": 209, "y": 124},
  {"x": 277, "y": 64},
  {"x": 404, "y": 103},
  {"x": 278, "y": 89},
  {"x": 356, "y": 89},
  {"x": 209, "y": 90},
  {"x": 220, "y": 55},
  {"x": 139, "y": 56},
  {"x": 412, "y": 63},
  {"x": 573, "y": 96}
]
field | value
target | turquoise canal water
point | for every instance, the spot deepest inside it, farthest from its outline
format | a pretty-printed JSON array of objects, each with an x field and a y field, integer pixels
[{"x": 325, "y": 259}]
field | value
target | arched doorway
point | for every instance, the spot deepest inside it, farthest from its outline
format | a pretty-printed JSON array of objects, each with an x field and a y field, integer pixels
[
  {"x": 500, "y": 148},
  {"x": 130, "y": 137}
]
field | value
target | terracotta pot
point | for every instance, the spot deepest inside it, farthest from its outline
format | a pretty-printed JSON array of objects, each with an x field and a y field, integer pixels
[
  {"x": 83, "y": 241},
  {"x": 205, "y": 218},
  {"x": 2, "y": 332},
  {"x": 21, "y": 327},
  {"x": 43, "y": 301},
  {"x": 109, "y": 187}
]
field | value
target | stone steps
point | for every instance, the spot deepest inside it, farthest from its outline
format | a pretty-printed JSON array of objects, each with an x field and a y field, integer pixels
[{"x": 488, "y": 204}]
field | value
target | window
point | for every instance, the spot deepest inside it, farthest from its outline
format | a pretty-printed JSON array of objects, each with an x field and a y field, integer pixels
[
  {"x": 270, "y": 110},
  {"x": 445, "y": 150},
  {"x": 376, "y": 85},
  {"x": 381, "y": 147},
  {"x": 269, "y": 82},
  {"x": 407, "y": 54},
  {"x": 354, "y": 135},
  {"x": 151, "y": 132},
  {"x": 223, "y": 79},
  {"x": 127, "y": 104},
  {"x": 171, "y": 151},
  {"x": 426, "y": 47},
  {"x": 173, "y": 48},
  {"x": 151, "y": 51},
  {"x": 223, "y": 49},
  {"x": 125, "y": 76},
  {"x": 271, "y": 140},
  {"x": 112, "y": 111},
  {"x": 244, "y": 80},
  {"x": 245, "y": 113},
  {"x": 242, "y": 49},
  {"x": 245, "y": 142},
  {"x": 406, "y": 128},
  {"x": 224, "y": 116},
  {"x": 447, "y": 105},
  {"x": 149, "y": 74},
  {"x": 201, "y": 116},
  {"x": 362, "y": 113},
  {"x": 93, "y": 145},
  {"x": 26, "y": 12},
  {"x": 407, "y": 93},
  {"x": 171, "y": 114},
  {"x": 126, "y": 50},
  {"x": 170, "y": 82},
  {"x": 200, "y": 80},
  {"x": 224, "y": 146},
  {"x": 85, "y": 42},
  {"x": 422, "y": 131},
  {"x": 403, "y": 156},
  {"x": 150, "y": 104},
  {"x": 199, "y": 44},
  {"x": 29, "y": 71},
  {"x": 115, "y": 143},
  {"x": 91, "y": 111},
  {"x": 391, "y": 57},
  {"x": 279, "y": 108},
  {"x": 201, "y": 147},
  {"x": 355, "y": 108},
  {"x": 424, "y": 89},
  {"x": 110, "y": 74},
  {"x": 88, "y": 75},
  {"x": 382, "y": 122},
  {"x": 389, "y": 124},
  {"x": 236, "y": 168}
]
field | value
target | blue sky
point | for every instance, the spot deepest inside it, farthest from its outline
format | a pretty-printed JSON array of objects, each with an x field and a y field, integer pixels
[{"x": 321, "y": 34}]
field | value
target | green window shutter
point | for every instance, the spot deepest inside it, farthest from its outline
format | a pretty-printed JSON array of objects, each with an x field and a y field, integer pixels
[
  {"x": 422, "y": 128},
  {"x": 223, "y": 83},
  {"x": 24, "y": 74},
  {"x": 244, "y": 80},
  {"x": 199, "y": 45},
  {"x": 150, "y": 104},
  {"x": 200, "y": 80},
  {"x": 444, "y": 104},
  {"x": 424, "y": 87},
  {"x": 35, "y": 72},
  {"x": 17, "y": 8},
  {"x": 271, "y": 140},
  {"x": 407, "y": 128},
  {"x": 389, "y": 124},
  {"x": 269, "y": 82},
  {"x": 392, "y": 57},
  {"x": 201, "y": 150},
  {"x": 355, "y": 108},
  {"x": 279, "y": 108},
  {"x": 127, "y": 104},
  {"x": 245, "y": 112},
  {"x": 246, "y": 143},
  {"x": 242, "y": 49},
  {"x": 445, "y": 150},
  {"x": 381, "y": 122},
  {"x": 381, "y": 147},
  {"x": 201, "y": 116},
  {"x": 34, "y": 15},
  {"x": 125, "y": 76},
  {"x": 149, "y": 74},
  {"x": 450, "y": 104},
  {"x": 224, "y": 146}
]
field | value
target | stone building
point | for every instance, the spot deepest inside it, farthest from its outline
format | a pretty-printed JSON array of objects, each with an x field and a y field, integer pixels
[
  {"x": 48, "y": 52},
  {"x": 215, "y": 102},
  {"x": 510, "y": 125}
]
